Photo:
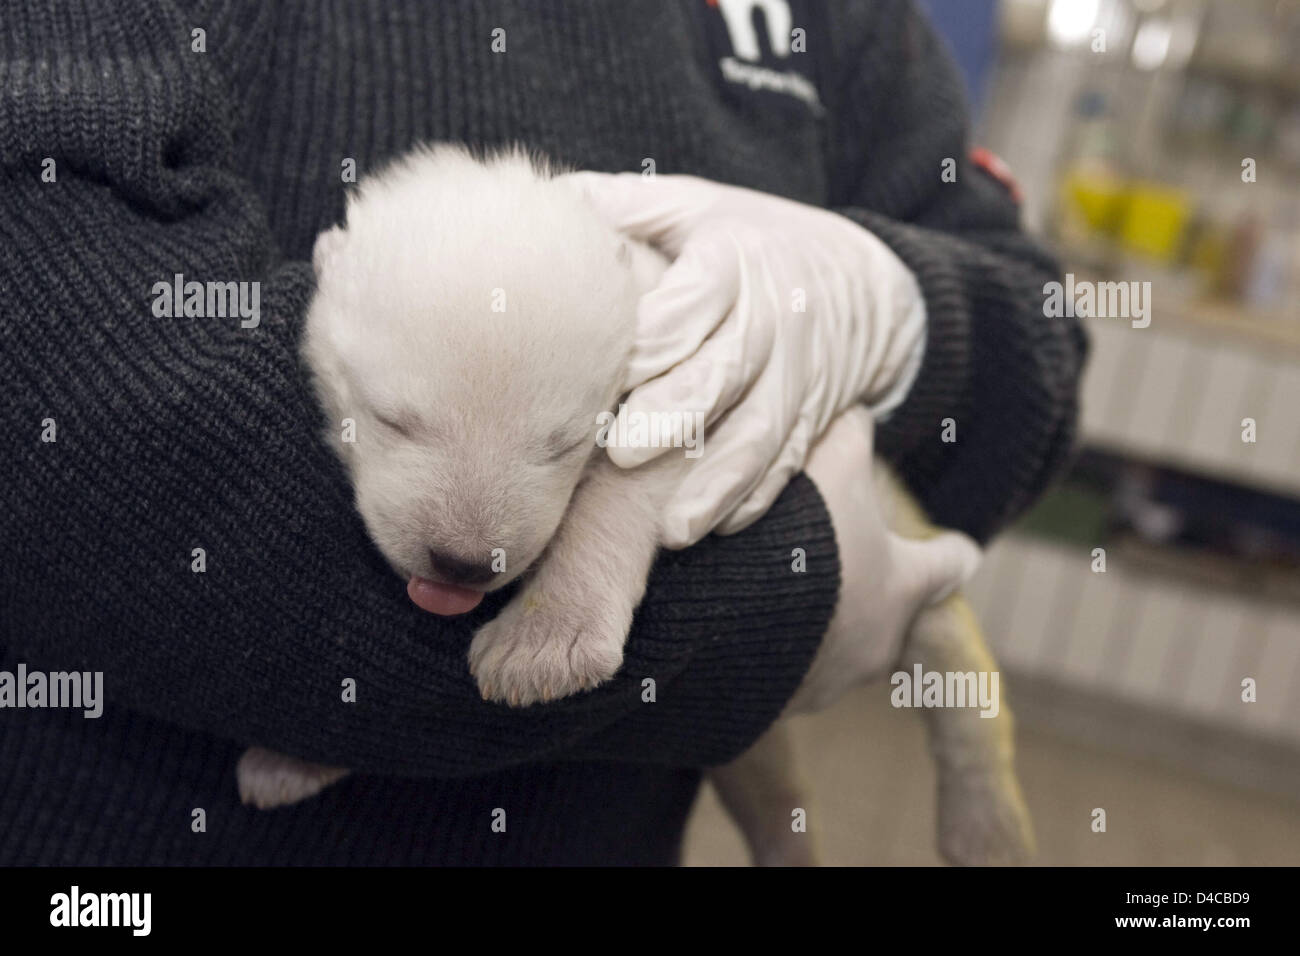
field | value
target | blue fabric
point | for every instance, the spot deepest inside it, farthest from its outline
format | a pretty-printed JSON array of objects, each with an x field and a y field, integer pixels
[{"x": 969, "y": 28}]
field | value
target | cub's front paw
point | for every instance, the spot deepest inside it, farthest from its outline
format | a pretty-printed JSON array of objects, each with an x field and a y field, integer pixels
[
  {"x": 983, "y": 820},
  {"x": 537, "y": 650}
]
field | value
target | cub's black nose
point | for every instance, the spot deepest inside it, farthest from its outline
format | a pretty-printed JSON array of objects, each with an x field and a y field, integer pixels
[{"x": 454, "y": 569}]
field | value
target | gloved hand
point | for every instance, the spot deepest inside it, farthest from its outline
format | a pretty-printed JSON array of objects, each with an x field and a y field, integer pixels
[
  {"x": 778, "y": 313},
  {"x": 885, "y": 579}
]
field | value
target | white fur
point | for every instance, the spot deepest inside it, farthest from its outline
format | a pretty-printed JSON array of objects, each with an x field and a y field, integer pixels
[{"x": 402, "y": 328}]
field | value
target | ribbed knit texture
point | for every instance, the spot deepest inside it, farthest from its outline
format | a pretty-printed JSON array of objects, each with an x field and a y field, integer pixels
[
  {"x": 1005, "y": 373},
  {"x": 182, "y": 433}
]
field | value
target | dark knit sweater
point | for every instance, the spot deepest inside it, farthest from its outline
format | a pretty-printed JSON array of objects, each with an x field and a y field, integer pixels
[{"x": 183, "y": 433}]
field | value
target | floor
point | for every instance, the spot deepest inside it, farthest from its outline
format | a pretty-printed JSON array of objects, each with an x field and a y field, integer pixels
[{"x": 873, "y": 792}]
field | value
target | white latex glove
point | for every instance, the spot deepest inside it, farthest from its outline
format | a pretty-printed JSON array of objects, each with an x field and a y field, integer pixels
[{"x": 721, "y": 334}]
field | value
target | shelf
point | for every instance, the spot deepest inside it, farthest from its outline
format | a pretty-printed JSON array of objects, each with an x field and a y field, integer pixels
[{"x": 1226, "y": 320}]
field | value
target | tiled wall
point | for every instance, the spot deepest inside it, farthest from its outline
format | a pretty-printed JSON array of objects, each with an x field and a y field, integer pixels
[
  {"x": 1173, "y": 393},
  {"x": 1136, "y": 634},
  {"x": 1176, "y": 393}
]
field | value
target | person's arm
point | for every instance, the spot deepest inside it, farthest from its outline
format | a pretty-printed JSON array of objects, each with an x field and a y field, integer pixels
[
  {"x": 994, "y": 363},
  {"x": 179, "y": 433}
]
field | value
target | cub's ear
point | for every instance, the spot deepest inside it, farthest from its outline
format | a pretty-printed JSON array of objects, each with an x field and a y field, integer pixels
[{"x": 326, "y": 250}]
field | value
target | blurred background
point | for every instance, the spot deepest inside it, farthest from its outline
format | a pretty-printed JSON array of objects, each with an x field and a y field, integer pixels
[{"x": 1154, "y": 141}]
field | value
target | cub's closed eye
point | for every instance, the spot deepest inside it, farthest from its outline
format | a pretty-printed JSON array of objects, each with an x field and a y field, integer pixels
[
  {"x": 394, "y": 423},
  {"x": 563, "y": 445}
]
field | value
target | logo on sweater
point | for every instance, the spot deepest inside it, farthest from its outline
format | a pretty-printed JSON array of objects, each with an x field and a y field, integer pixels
[
  {"x": 758, "y": 66},
  {"x": 60, "y": 689},
  {"x": 208, "y": 300},
  {"x": 75, "y": 908}
]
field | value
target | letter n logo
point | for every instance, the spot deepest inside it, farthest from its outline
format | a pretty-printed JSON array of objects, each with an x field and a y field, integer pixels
[{"x": 739, "y": 18}]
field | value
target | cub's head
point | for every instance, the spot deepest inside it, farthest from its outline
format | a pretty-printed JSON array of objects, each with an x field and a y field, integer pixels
[{"x": 471, "y": 321}]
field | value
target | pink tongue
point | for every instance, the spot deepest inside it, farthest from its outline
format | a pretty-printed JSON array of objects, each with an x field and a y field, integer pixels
[{"x": 441, "y": 598}]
